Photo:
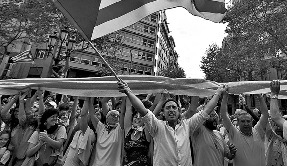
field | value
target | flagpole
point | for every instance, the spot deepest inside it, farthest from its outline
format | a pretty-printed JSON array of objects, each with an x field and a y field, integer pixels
[{"x": 103, "y": 59}]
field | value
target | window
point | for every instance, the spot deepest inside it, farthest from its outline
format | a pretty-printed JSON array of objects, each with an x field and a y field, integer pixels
[
  {"x": 75, "y": 59},
  {"x": 148, "y": 71},
  {"x": 35, "y": 72},
  {"x": 153, "y": 18},
  {"x": 140, "y": 70},
  {"x": 85, "y": 61},
  {"x": 145, "y": 42},
  {"x": 41, "y": 54},
  {"x": 149, "y": 57},
  {"x": 136, "y": 40},
  {"x": 118, "y": 52},
  {"x": 128, "y": 38},
  {"x": 139, "y": 27},
  {"x": 146, "y": 29},
  {"x": 125, "y": 67},
  {"x": 126, "y": 52},
  {"x": 135, "y": 54},
  {"x": 140, "y": 55},
  {"x": 152, "y": 30},
  {"x": 95, "y": 63},
  {"x": 150, "y": 44}
]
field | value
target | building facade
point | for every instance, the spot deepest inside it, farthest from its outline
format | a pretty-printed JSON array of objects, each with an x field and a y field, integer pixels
[{"x": 146, "y": 48}]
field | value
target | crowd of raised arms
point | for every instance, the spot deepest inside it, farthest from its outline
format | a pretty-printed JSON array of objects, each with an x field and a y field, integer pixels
[{"x": 160, "y": 129}]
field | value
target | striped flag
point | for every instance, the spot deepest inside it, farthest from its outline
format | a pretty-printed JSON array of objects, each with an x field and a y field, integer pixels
[
  {"x": 23, "y": 57},
  {"x": 96, "y": 18}
]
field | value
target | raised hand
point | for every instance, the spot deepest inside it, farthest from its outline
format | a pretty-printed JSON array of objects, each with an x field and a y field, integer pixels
[
  {"x": 123, "y": 87},
  {"x": 275, "y": 87},
  {"x": 223, "y": 89}
]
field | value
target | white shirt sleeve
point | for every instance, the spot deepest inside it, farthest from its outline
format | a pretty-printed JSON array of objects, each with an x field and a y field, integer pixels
[
  {"x": 197, "y": 120},
  {"x": 151, "y": 123},
  {"x": 34, "y": 138},
  {"x": 5, "y": 157},
  {"x": 285, "y": 129}
]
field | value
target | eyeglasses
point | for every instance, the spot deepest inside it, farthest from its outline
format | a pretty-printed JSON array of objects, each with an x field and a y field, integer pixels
[
  {"x": 171, "y": 106},
  {"x": 114, "y": 115}
]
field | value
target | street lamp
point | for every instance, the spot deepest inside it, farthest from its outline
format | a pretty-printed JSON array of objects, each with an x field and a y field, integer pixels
[
  {"x": 52, "y": 41},
  {"x": 56, "y": 40},
  {"x": 71, "y": 43}
]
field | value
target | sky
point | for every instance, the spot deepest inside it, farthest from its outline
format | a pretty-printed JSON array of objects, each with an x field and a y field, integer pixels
[{"x": 192, "y": 36}]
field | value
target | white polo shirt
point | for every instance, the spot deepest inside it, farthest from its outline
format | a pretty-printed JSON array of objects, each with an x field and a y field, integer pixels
[{"x": 172, "y": 147}]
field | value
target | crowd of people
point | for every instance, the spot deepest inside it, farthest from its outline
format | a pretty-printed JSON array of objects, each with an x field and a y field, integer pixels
[{"x": 159, "y": 130}]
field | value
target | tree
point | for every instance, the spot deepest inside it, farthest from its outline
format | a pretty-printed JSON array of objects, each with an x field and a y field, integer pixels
[
  {"x": 35, "y": 20},
  {"x": 173, "y": 72},
  {"x": 32, "y": 19},
  {"x": 215, "y": 65},
  {"x": 256, "y": 30}
]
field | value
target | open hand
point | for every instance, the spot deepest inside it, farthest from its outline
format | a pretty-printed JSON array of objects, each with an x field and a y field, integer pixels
[{"x": 275, "y": 87}]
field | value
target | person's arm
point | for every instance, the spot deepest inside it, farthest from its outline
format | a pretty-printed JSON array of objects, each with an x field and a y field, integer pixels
[
  {"x": 34, "y": 98},
  {"x": 73, "y": 114},
  {"x": 5, "y": 110},
  {"x": 22, "y": 114},
  {"x": 248, "y": 110},
  {"x": 123, "y": 111},
  {"x": 163, "y": 98},
  {"x": 34, "y": 144},
  {"x": 55, "y": 144},
  {"x": 128, "y": 116},
  {"x": 157, "y": 98},
  {"x": 275, "y": 114},
  {"x": 105, "y": 107},
  {"x": 84, "y": 114},
  {"x": 213, "y": 102},
  {"x": 264, "y": 110},
  {"x": 223, "y": 112},
  {"x": 28, "y": 104},
  {"x": 40, "y": 94},
  {"x": 192, "y": 107},
  {"x": 136, "y": 102},
  {"x": 93, "y": 117}
]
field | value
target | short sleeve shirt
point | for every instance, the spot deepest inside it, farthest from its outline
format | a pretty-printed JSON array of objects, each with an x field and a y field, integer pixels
[
  {"x": 250, "y": 149},
  {"x": 108, "y": 146},
  {"x": 47, "y": 154}
]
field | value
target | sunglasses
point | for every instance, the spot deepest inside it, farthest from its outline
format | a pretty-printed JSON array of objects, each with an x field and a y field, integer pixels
[{"x": 171, "y": 106}]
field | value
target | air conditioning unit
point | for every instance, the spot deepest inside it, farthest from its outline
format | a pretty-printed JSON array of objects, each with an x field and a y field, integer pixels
[
  {"x": 8, "y": 73},
  {"x": 10, "y": 65}
]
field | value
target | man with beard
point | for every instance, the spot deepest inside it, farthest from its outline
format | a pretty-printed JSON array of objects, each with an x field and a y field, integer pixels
[
  {"x": 277, "y": 147},
  {"x": 171, "y": 137},
  {"x": 209, "y": 145},
  {"x": 248, "y": 140}
]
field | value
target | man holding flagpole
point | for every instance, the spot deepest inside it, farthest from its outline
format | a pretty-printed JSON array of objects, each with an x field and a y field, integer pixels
[{"x": 171, "y": 137}]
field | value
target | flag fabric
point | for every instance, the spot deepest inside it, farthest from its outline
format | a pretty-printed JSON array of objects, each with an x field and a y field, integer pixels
[
  {"x": 23, "y": 57},
  {"x": 107, "y": 86},
  {"x": 139, "y": 84},
  {"x": 96, "y": 18}
]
